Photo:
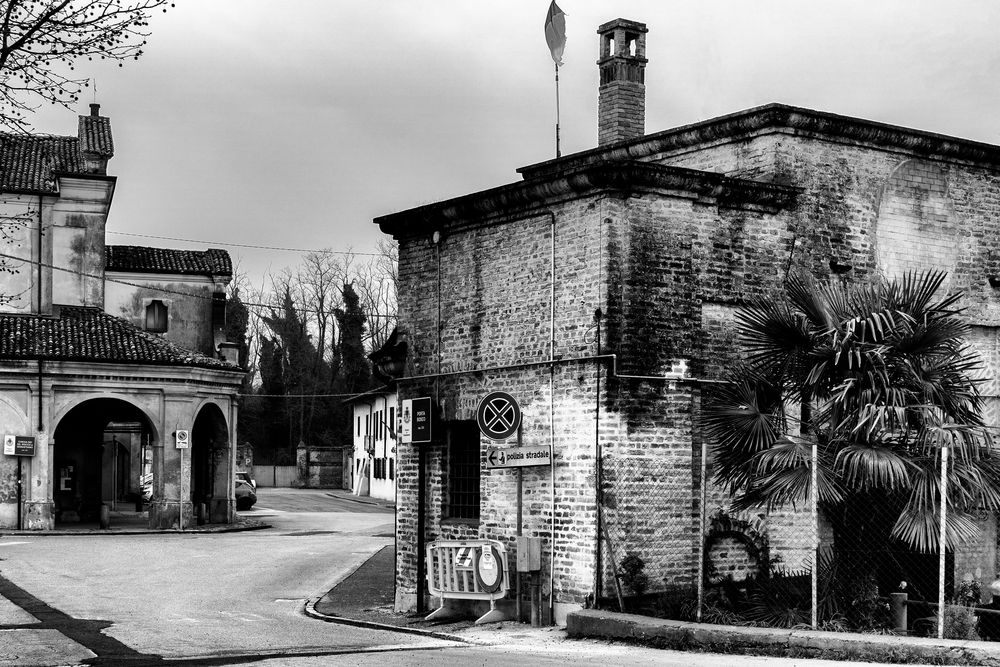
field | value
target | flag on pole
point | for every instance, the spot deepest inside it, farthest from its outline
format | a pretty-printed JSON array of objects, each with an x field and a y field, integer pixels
[{"x": 555, "y": 32}]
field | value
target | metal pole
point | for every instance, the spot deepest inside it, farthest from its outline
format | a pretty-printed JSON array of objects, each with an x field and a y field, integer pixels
[
  {"x": 814, "y": 509},
  {"x": 420, "y": 530},
  {"x": 702, "y": 519},
  {"x": 20, "y": 517},
  {"x": 180, "y": 492},
  {"x": 942, "y": 539},
  {"x": 558, "y": 152}
]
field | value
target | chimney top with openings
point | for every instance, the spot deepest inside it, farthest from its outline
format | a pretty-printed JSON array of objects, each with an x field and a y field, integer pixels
[{"x": 622, "y": 94}]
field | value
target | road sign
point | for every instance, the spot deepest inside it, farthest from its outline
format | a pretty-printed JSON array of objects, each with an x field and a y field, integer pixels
[
  {"x": 498, "y": 415},
  {"x": 518, "y": 457},
  {"x": 19, "y": 445},
  {"x": 183, "y": 438},
  {"x": 421, "y": 420}
]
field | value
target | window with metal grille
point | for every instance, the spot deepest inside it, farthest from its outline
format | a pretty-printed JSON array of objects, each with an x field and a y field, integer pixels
[{"x": 463, "y": 470}]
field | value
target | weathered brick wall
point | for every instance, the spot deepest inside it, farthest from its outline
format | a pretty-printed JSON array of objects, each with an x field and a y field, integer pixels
[
  {"x": 875, "y": 212},
  {"x": 667, "y": 270},
  {"x": 496, "y": 293}
]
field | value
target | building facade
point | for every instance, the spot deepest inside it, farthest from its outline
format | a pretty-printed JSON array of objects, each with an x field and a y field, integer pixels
[
  {"x": 373, "y": 463},
  {"x": 600, "y": 290},
  {"x": 122, "y": 410}
]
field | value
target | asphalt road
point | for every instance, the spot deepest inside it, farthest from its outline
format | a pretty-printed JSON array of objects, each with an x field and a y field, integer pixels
[
  {"x": 137, "y": 598},
  {"x": 238, "y": 599}
]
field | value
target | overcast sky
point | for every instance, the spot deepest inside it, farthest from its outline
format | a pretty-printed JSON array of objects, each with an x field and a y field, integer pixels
[{"x": 294, "y": 123}]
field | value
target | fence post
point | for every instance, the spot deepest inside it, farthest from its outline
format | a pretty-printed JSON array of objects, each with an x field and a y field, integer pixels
[
  {"x": 814, "y": 508},
  {"x": 898, "y": 605},
  {"x": 942, "y": 539}
]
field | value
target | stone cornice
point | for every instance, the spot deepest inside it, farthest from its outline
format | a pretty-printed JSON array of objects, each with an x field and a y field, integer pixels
[
  {"x": 626, "y": 178},
  {"x": 778, "y": 118}
]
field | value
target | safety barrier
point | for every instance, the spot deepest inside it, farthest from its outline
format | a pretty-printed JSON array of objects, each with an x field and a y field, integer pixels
[{"x": 467, "y": 570}]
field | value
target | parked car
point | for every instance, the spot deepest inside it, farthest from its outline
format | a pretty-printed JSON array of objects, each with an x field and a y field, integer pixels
[
  {"x": 246, "y": 496},
  {"x": 248, "y": 478}
]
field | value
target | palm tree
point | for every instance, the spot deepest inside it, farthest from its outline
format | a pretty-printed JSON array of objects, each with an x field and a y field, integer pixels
[{"x": 879, "y": 378}]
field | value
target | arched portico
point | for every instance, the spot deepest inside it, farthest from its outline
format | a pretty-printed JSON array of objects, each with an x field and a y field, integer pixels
[
  {"x": 212, "y": 465},
  {"x": 103, "y": 454}
]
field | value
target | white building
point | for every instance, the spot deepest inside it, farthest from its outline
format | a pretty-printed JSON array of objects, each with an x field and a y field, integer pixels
[{"x": 373, "y": 424}]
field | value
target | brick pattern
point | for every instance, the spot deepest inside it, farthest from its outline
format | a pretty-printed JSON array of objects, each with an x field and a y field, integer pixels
[
  {"x": 621, "y": 111},
  {"x": 667, "y": 270}
]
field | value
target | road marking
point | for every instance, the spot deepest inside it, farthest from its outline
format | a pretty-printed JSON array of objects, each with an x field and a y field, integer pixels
[{"x": 10, "y": 544}]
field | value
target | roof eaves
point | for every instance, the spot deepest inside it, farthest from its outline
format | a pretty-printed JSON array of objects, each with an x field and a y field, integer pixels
[{"x": 624, "y": 176}]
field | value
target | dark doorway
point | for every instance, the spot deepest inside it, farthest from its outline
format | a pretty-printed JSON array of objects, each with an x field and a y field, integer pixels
[
  {"x": 211, "y": 466},
  {"x": 99, "y": 451}
]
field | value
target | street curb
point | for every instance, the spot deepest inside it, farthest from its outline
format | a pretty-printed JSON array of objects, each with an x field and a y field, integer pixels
[
  {"x": 110, "y": 532},
  {"x": 310, "y": 610},
  {"x": 686, "y": 636}
]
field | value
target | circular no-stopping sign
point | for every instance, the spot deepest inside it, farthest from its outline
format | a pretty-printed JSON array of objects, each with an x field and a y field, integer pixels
[{"x": 498, "y": 415}]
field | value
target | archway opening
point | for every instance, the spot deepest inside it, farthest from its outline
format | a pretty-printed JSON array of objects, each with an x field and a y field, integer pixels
[
  {"x": 102, "y": 455},
  {"x": 211, "y": 466}
]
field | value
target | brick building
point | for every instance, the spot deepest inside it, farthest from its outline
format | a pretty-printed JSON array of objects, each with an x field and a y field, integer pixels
[
  {"x": 599, "y": 291},
  {"x": 106, "y": 352}
]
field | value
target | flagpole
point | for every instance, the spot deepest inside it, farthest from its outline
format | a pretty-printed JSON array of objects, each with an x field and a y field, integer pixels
[{"x": 558, "y": 153}]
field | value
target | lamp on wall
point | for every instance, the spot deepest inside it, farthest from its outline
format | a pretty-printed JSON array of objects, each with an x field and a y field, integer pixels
[{"x": 390, "y": 359}]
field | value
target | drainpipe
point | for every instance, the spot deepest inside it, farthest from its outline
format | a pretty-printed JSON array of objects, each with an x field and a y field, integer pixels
[
  {"x": 598, "y": 470},
  {"x": 38, "y": 423},
  {"x": 552, "y": 432}
]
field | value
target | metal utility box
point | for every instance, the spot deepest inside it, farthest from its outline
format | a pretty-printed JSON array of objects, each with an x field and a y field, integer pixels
[{"x": 529, "y": 554}]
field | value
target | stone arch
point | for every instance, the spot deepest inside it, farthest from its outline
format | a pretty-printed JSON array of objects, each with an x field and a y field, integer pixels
[
  {"x": 916, "y": 229},
  {"x": 88, "y": 470},
  {"x": 9, "y": 408},
  {"x": 212, "y": 464},
  {"x": 79, "y": 399}
]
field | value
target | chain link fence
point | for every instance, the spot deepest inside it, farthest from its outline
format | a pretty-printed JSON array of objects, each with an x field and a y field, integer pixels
[{"x": 673, "y": 547}]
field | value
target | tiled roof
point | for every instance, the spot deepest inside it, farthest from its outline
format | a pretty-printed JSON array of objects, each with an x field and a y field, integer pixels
[
  {"x": 29, "y": 163},
  {"x": 140, "y": 259},
  {"x": 90, "y": 334}
]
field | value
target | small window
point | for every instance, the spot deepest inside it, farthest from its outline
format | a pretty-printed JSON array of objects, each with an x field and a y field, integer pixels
[
  {"x": 392, "y": 422},
  {"x": 463, "y": 470},
  {"x": 156, "y": 317},
  {"x": 359, "y": 424},
  {"x": 392, "y": 468}
]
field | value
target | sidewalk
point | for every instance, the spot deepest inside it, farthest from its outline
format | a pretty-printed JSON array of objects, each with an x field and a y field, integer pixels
[
  {"x": 365, "y": 598},
  {"x": 137, "y": 523}
]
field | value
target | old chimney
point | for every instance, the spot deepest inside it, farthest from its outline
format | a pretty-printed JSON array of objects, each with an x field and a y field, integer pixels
[
  {"x": 95, "y": 109},
  {"x": 621, "y": 104}
]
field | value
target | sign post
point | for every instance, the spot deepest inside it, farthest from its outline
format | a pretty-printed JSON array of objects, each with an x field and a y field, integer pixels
[
  {"x": 183, "y": 440},
  {"x": 415, "y": 422},
  {"x": 19, "y": 445}
]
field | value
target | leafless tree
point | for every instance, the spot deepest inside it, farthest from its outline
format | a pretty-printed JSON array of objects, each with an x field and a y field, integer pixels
[
  {"x": 376, "y": 284},
  {"x": 43, "y": 41}
]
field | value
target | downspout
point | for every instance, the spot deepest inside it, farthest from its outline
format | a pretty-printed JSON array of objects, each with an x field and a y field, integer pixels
[
  {"x": 38, "y": 424},
  {"x": 552, "y": 431}
]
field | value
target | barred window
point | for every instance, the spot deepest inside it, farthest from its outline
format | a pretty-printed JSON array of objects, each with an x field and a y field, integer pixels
[{"x": 463, "y": 470}]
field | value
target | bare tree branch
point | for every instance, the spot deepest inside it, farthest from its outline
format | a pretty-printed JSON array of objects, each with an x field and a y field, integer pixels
[{"x": 40, "y": 40}]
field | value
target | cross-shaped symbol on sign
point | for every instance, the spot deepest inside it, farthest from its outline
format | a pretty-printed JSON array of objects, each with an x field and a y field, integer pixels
[{"x": 498, "y": 415}]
